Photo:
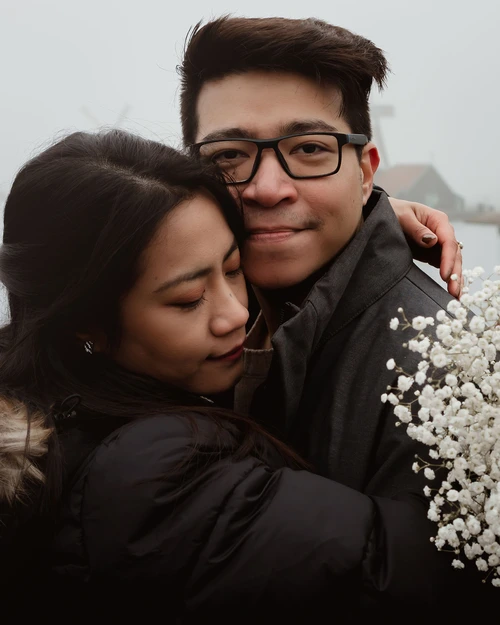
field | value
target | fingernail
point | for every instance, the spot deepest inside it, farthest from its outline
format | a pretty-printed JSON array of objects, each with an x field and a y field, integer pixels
[{"x": 427, "y": 238}]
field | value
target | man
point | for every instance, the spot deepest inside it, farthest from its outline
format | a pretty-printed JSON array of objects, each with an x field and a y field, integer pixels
[
  {"x": 281, "y": 106},
  {"x": 424, "y": 227}
]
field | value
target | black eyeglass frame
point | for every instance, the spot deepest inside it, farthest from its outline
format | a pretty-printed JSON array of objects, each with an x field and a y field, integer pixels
[{"x": 263, "y": 144}]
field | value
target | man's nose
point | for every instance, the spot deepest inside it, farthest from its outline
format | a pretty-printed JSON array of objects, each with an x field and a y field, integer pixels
[{"x": 271, "y": 184}]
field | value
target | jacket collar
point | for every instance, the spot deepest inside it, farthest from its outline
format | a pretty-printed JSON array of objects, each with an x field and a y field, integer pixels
[{"x": 376, "y": 258}]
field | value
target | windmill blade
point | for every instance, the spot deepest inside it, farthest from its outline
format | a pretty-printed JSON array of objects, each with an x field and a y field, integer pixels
[
  {"x": 90, "y": 116},
  {"x": 122, "y": 116},
  {"x": 377, "y": 112}
]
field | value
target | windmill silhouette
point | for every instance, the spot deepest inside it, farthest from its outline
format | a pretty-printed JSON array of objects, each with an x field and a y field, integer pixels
[
  {"x": 377, "y": 112},
  {"x": 97, "y": 122}
]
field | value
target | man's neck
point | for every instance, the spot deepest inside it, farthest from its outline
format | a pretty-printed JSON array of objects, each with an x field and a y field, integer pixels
[{"x": 272, "y": 302}]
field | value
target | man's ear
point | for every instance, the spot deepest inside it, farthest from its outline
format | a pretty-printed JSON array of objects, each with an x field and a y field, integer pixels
[
  {"x": 370, "y": 160},
  {"x": 97, "y": 339}
]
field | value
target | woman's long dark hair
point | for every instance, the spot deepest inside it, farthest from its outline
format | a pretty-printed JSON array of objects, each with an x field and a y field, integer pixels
[{"x": 76, "y": 223}]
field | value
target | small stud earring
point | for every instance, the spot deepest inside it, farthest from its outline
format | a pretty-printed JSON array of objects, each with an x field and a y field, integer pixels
[{"x": 88, "y": 346}]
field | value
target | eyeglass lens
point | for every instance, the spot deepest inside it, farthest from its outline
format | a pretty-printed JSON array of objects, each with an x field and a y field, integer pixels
[{"x": 305, "y": 156}]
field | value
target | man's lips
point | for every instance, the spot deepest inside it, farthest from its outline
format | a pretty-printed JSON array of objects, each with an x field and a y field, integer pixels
[
  {"x": 232, "y": 354},
  {"x": 272, "y": 235},
  {"x": 268, "y": 228}
]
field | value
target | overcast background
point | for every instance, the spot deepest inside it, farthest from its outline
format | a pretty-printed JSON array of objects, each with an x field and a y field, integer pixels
[{"x": 69, "y": 65}]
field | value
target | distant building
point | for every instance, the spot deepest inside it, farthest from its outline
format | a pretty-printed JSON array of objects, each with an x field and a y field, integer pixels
[
  {"x": 420, "y": 183},
  {"x": 491, "y": 217}
]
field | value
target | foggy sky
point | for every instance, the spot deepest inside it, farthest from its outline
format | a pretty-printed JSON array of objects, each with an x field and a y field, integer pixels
[{"x": 69, "y": 65}]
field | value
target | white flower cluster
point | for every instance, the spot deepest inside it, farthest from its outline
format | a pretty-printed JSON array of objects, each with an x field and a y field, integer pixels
[{"x": 456, "y": 413}]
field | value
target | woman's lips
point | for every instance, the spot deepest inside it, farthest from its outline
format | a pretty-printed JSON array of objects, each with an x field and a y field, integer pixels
[{"x": 234, "y": 354}]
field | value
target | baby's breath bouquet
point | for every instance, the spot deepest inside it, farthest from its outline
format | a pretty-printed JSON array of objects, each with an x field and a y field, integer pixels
[{"x": 455, "y": 411}]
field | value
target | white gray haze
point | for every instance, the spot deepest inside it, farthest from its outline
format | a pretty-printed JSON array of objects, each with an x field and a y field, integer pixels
[{"x": 69, "y": 65}]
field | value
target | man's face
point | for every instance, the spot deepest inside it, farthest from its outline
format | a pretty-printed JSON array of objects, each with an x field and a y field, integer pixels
[{"x": 295, "y": 226}]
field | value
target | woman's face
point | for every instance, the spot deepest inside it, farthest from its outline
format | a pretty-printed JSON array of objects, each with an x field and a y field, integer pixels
[{"x": 184, "y": 319}]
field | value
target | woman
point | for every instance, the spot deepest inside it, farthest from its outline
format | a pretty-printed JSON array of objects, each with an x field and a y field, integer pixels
[{"x": 123, "y": 485}]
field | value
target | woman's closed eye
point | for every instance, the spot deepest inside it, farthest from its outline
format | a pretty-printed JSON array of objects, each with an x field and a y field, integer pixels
[
  {"x": 191, "y": 305},
  {"x": 234, "y": 273}
]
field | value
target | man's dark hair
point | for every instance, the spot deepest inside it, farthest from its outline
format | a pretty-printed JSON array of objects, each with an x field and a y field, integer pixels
[{"x": 311, "y": 47}]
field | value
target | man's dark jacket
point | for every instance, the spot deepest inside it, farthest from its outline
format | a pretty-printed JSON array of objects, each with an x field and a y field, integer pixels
[
  {"x": 323, "y": 391},
  {"x": 329, "y": 363}
]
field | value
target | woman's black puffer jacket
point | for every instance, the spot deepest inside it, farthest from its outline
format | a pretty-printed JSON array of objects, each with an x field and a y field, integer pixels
[{"x": 143, "y": 533}]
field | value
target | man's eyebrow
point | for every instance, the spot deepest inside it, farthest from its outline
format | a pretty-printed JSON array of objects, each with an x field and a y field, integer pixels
[
  {"x": 289, "y": 128},
  {"x": 227, "y": 133},
  {"x": 193, "y": 275},
  {"x": 306, "y": 125}
]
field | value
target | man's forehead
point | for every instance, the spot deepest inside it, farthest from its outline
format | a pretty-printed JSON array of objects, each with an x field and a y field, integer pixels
[{"x": 265, "y": 105}]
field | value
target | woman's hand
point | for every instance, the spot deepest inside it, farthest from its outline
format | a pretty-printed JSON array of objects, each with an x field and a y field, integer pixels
[{"x": 432, "y": 240}]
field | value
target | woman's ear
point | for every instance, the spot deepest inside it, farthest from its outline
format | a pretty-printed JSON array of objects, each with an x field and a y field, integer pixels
[{"x": 93, "y": 341}]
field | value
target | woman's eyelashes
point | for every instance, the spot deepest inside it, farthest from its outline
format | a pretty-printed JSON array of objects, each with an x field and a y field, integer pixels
[
  {"x": 193, "y": 304},
  {"x": 234, "y": 272}
]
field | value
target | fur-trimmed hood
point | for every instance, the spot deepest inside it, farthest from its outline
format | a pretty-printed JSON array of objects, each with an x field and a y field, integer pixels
[{"x": 23, "y": 441}]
